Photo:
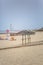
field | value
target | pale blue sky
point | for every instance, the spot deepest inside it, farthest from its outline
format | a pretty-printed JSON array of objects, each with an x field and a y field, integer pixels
[{"x": 22, "y": 14}]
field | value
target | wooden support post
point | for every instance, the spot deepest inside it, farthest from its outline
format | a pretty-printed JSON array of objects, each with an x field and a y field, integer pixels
[
  {"x": 25, "y": 39},
  {"x": 28, "y": 38},
  {"x": 22, "y": 39}
]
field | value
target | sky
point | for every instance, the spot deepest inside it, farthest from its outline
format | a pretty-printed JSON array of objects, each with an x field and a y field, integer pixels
[{"x": 21, "y": 14}]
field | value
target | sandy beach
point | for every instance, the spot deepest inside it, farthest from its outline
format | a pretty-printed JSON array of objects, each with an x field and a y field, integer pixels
[
  {"x": 25, "y": 55},
  {"x": 32, "y": 55}
]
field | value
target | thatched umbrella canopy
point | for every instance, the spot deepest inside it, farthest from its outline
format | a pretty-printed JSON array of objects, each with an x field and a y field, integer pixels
[{"x": 25, "y": 32}]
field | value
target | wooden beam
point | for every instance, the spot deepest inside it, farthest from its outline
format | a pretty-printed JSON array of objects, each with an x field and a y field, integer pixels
[
  {"x": 28, "y": 38},
  {"x": 22, "y": 39},
  {"x": 25, "y": 39}
]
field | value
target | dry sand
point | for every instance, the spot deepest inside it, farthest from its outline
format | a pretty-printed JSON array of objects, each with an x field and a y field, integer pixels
[{"x": 32, "y": 55}]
